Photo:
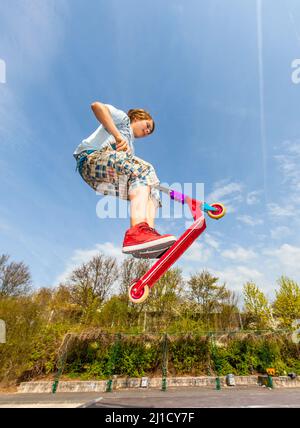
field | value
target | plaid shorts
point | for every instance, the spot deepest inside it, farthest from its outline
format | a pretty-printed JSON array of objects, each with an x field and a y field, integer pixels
[{"x": 118, "y": 173}]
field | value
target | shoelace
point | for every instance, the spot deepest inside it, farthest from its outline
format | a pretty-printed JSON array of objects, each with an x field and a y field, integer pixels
[{"x": 147, "y": 229}]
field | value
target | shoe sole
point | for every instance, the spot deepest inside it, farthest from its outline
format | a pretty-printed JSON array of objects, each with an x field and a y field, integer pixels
[
  {"x": 159, "y": 244},
  {"x": 150, "y": 254}
]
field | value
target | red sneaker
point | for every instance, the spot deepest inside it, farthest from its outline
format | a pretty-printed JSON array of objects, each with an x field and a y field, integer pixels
[{"x": 143, "y": 237}]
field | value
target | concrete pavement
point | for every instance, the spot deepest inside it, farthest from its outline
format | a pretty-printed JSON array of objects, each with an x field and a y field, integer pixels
[{"x": 228, "y": 397}]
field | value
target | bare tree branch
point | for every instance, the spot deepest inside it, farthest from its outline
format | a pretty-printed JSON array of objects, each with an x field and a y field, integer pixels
[
  {"x": 130, "y": 270},
  {"x": 93, "y": 280},
  {"x": 15, "y": 278}
]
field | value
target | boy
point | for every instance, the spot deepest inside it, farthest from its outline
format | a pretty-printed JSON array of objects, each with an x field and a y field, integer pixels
[{"x": 107, "y": 163}]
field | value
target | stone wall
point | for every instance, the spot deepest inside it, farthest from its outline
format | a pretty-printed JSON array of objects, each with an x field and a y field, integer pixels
[{"x": 128, "y": 383}]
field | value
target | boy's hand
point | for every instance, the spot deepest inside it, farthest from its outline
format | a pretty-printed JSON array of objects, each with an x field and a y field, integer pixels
[{"x": 121, "y": 144}]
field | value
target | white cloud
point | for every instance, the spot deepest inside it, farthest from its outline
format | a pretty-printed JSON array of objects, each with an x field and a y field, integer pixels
[
  {"x": 250, "y": 221},
  {"x": 276, "y": 210},
  {"x": 239, "y": 254},
  {"x": 252, "y": 198},
  {"x": 198, "y": 252},
  {"x": 209, "y": 240},
  {"x": 288, "y": 163},
  {"x": 282, "y": 260},
  {"x": 164, "y": 227},
  {"x": 293, "y": 147},
  {"x": 280, "y": 232},
  {"x": 287, "y": 258},
  {"x": 108, "y": 248},
  {"x": 83, "y": 256},
  {"x": 223, "y": 190},
  {"x": 289, "y": 168},
  {"x": 236, "y": 277},
  {"x": 230, "y": 194}
]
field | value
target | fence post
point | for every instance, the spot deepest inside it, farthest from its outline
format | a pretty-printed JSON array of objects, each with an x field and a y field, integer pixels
[
  {"x": 214, "y": 350},
  {"x": 164, "y": 362},
  {"x": 112, "y": 367}
]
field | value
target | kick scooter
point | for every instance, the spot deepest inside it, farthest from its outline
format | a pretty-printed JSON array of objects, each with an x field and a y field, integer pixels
[{"x": 139, "y": 289}]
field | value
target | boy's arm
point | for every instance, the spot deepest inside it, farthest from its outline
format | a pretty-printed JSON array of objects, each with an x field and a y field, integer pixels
[{"x": 102, "y": 113}]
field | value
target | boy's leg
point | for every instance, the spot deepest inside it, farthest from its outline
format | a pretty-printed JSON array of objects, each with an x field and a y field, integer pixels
[
  {"x": 139, "y": 199},
  {"x": 151, "y": 212},
  {"x": 143, "y": 208},
  {"x": 142, "y": 237}
]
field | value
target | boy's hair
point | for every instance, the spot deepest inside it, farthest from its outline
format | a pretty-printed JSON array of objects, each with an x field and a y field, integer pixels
[{"x": 140, "y": 114}]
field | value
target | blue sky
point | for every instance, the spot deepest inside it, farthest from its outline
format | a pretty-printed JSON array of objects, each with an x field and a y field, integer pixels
[{"x": 218, "y": 79}]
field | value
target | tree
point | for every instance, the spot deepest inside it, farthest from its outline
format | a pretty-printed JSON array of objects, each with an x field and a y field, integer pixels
[
  {"x": 115, "y": 313},
  {"x": 15, "y": 278},
  {"x": 22, "y": 318},
  {"x": 203, "y": 288},
  {"x": 257, "y": 308},
  {"x": 209, "y": 297},
  {"x": 56, "y": 305},
  {"x": 90, "y": 283},
  {"x": 130, "y": 270},
  {"x": 229, "y": 317},
  {"x": 166, "y": 292},
  {"x": 287, "y": 302},
  {"x": 43, "y": 297},
  {"x": 163, "y": 303}
]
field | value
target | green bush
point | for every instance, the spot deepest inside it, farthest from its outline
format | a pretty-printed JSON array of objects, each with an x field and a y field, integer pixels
[
  {"x": 188, "y": 355},
  {"x": 125, "y": 356}
]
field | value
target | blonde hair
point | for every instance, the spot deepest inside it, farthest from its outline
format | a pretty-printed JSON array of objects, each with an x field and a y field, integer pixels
[{"x": 136, "y": 114}]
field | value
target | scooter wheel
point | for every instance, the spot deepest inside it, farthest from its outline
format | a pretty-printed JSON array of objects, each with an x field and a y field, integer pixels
[
  {"x": 221, "y": 211},
  {"x": 138, "y": 296}
]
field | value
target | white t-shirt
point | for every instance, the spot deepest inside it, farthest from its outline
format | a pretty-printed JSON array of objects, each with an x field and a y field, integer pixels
[{"x": 101, "y": 138}]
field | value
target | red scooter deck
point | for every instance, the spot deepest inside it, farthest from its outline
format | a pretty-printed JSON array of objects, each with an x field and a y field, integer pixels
[{"x": 139, "y": 290}]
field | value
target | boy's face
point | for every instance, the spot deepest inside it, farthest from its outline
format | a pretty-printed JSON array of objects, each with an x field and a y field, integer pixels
[{"x": 142, "y": 128}]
